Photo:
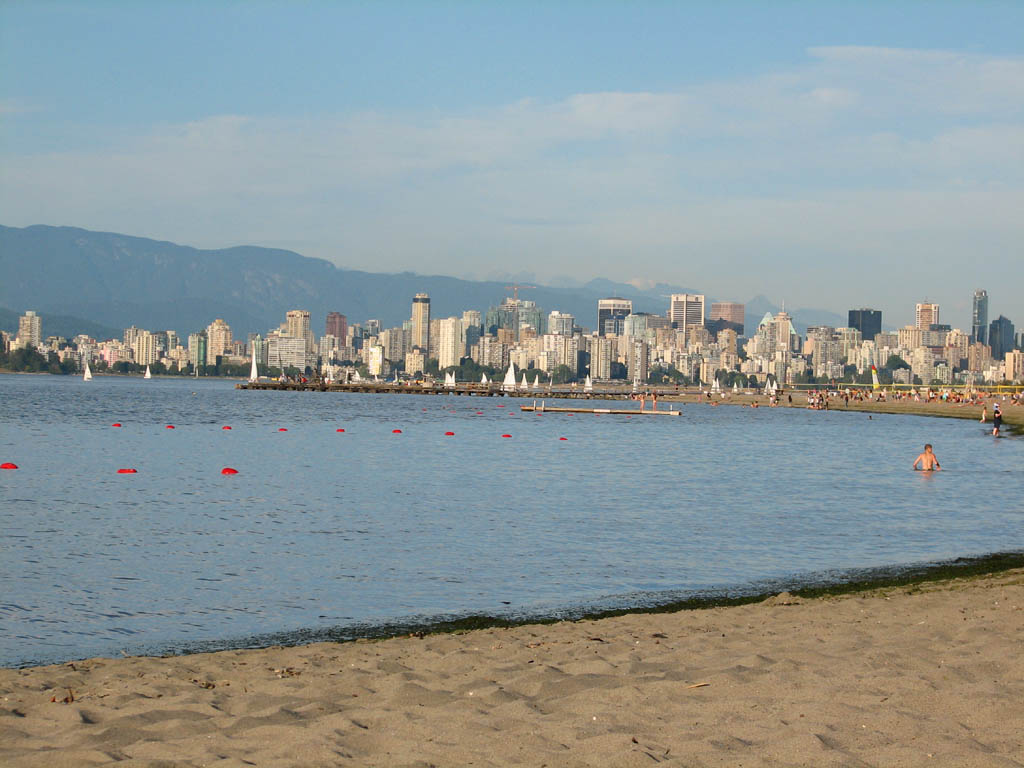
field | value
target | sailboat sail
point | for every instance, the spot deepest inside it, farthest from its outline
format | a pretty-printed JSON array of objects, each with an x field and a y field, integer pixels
[
  {"x": 523, "y": 384},
  {"x": 254, "y": 373},
  {"x": 449, "y": 379},
  {"x": 148, "y": 374},
  {"x": 87, "y": 376},
  {"x": 484, "y": 379},
  {"x": 588, "y": 384},
  {"x": 509, "y": 384},
  {"x": 536, "y": 381}
]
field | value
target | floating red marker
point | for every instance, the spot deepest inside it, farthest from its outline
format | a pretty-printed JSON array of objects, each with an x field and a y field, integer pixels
[
  {"x": 449, "y": 434},
  {"x": 225, "y": 427},
  {"x": 396, "y": 431},
  {"x": 116, "y": 424},
  {"x": 282, "y": 429},
  {"x": 229, "y": 471},
  {"x": 8, "y": 465},
  {"x": 339, "y": 430},
  {"x": 506, "y": 435},
  {"x": 127, "y": 471},
  {"x": 479, "y": 413},
  {"x": 563, "y": 438},
  {"x": 501, "y": 406},
  {"x": 169, "y": 426}
]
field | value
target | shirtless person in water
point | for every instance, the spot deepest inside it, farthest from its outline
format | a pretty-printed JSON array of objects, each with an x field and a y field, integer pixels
[{"x": 927, "y": 460}]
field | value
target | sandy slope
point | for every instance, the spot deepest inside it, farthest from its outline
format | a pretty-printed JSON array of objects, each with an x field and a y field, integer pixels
[{"x": 928, "y": 676}]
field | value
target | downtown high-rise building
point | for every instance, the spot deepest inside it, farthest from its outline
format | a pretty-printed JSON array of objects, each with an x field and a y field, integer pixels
[
  {"x": 867, "y": 321},
  {"x": 421, "y": 322},
  {"x": 30, "y": 330},
  {"x": 451, "y": 344},
  {"x": 611, "y": 314},
  {"x": 297, "y": 326},
  {"x": 730, "y": 311},
  {"x": 1000, "y": 337},
  {"x": 926, "y": 315},
  {"x": 979, "y": 317},
  {"x": 686, "y": 311},
  {"x": 336, "y": 325},
  {"x": 218, "y": 339}
]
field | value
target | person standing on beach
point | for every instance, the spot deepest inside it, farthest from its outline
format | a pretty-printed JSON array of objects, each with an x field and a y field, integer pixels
[{"x": 928, "y": 461}]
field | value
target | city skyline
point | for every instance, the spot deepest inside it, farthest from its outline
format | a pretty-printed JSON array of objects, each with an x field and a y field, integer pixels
[{"x": 709, "y": 155}]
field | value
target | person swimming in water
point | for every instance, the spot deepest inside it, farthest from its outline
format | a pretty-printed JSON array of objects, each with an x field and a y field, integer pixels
[{"x": 928, "y": 461}]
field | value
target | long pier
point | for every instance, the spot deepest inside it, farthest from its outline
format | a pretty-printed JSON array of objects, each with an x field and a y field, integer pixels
[
  {"x": 613, "y": 411},
  {"x": 459, "y": 390}
]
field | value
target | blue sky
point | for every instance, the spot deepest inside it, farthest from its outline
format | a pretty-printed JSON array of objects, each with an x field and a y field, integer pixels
[{"x": 829, "y": 154}]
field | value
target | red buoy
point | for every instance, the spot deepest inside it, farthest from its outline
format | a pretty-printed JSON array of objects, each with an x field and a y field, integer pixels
[
  {"x": 396, "y": 431},
  {"x": 116, "y": 424},
  {"x": 127, "y": 471},
  {"x": 563, "y": 438},
  {"x": 225, "y": 427},
  {"x": 506, "y": 435},
  {"x": 229, "y": 471},
  {"x": 449, "y": 434},
  {"x": 501, "y": 406},
  {"x": 8, "y": 465},
  {"x": 340, "y": 430},
  {"x": 479, "y": 413},
  {"x": 282, "y": 429},
  {"x": 169, "y": 426}
]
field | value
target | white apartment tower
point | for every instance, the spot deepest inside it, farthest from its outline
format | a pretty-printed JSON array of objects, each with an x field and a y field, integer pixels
[
  {"x": 686, "y": 311},
  {"x": 421, "y": 322}
]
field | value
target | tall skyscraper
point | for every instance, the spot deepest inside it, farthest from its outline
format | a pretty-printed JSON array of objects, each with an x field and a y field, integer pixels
[
  {"x": 560, "y": 323},
  {"x": 421, "y": 322},
  {"x": 218, "y": 339},
  {"x": 451, "y": 345},
  {"x": 867, "y": 321},
  {"x": 1000, "y": 337},
  {"x": 336, "y": 325},
  {"x": 686, "y": 311},
  {"x": 926, "y": 315},
  {"x": 611, "y": 314},
  {"x": 30, "y": 329},
  {"x": 297, "y": 325},
  {"x": 730, "y": 311},
  {"x": 979, "y": 317}
]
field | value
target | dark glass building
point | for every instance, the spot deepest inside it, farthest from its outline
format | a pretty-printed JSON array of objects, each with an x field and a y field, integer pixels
[
  {"x": 867, "y": 321},
  {"x": 979, "y": 317},
  {"x": 1000, "y": 337}
]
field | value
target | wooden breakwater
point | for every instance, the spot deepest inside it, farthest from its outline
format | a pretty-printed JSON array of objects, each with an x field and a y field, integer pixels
[
  {"x": 542, "y": 408},
  {"x": 459, "y": 390}
]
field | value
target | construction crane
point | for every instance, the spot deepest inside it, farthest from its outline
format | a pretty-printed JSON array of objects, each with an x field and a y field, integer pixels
[{"x": 515, "y": 289}]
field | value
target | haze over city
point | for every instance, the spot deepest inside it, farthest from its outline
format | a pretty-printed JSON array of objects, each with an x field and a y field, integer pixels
[{"x": 868, "y": 156}]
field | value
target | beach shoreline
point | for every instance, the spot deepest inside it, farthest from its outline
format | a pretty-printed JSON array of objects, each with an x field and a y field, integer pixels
[{"x": 923, "y": 673}]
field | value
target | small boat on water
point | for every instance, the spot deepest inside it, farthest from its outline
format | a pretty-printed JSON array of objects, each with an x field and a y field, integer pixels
[
  {"x": 148, "y": 374},
  {"x": 87, "y": 376}
]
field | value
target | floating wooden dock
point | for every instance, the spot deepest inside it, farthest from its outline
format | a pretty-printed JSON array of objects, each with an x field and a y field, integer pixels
[{"x": 613, "y": 411}]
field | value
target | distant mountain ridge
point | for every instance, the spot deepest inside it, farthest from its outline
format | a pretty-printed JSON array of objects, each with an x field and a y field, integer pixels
[{"x": 118, "y": 280}]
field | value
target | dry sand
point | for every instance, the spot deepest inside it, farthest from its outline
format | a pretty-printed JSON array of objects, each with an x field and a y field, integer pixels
[{"x": 931, "y": 675}]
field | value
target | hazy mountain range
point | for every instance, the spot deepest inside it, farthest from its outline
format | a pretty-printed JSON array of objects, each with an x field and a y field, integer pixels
[{"x": 101, "y": 282}]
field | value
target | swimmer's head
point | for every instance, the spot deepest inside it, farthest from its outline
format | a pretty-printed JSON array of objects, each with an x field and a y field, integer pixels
[{"x": 927, "y": 446}]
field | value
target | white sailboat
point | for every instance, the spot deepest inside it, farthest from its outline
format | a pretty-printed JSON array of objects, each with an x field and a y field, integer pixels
[
  {"x": 523, "y": 385},
  {"x": 588, "y": 384},
  {"x": 735, "y": 388},
  {"x": 509, "y": 384},
  {"x": 716, "y": 387},
  {"x": 87, "y": 376},
  {"x": 449, "y": 379},
  {"x": 536, "y": 382},
  {"x": 254, "y": 373},
  {"x": 484, "y": 379},
  {"x": 148, "y": 374}
]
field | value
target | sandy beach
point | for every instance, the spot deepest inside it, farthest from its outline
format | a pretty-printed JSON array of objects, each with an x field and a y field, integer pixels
[{"x": 927, "y": 675}]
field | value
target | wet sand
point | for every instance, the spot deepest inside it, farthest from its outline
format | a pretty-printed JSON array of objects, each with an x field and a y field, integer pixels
[{"x": 927, "y": 675}]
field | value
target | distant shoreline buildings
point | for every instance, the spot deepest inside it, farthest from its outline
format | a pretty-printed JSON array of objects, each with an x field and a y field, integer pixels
[{"x": 685, "y": 344}]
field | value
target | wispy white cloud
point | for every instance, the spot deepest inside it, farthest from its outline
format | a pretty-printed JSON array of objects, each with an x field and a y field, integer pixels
[{"x": 877, "y": 155}]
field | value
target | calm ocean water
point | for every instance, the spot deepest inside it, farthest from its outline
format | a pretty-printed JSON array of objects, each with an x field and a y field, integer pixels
[{"x": 323, "y": 529}]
